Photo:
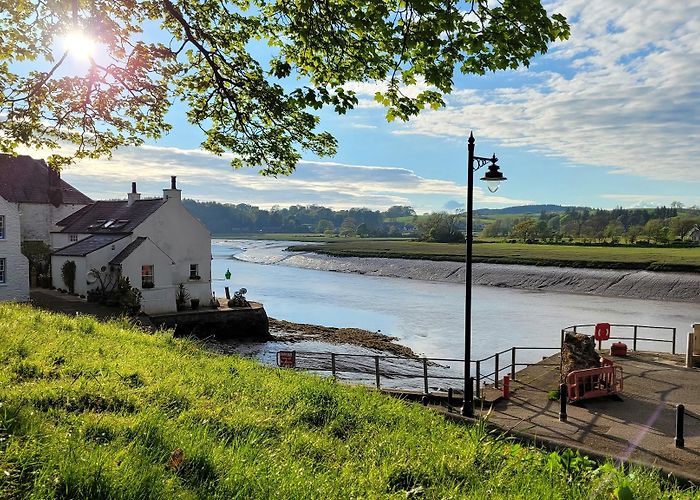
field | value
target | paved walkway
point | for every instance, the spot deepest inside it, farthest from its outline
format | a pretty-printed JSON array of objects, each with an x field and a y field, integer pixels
[
  {"x": 640, "y": 427},
  {"x": 55, "y": 301}
]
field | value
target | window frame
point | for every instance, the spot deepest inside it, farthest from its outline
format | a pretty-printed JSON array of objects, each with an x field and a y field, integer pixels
[
  {"x": 2, "y": 227},
  {"x": 194, "y": 275},
  {"x": 73, "y": 238},
  {"x": 3, "y": 271},
  {"x": 148, "y": 280}
]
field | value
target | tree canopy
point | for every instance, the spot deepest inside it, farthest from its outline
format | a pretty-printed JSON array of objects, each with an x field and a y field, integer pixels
[{"x": 252, "y": 74}]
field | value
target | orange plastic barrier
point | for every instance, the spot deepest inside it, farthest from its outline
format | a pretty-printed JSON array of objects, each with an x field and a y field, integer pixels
[{"x": 594, "y": 382}]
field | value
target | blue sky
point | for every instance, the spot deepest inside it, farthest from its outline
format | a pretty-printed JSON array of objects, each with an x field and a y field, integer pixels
[{"x": 610, "y": 117}]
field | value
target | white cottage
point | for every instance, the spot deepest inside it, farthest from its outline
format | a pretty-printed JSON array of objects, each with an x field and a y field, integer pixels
[
  {"x": 694, "y": 234},
  {"x": 33, "y": 198},
  {"x": 156, "y": 243}
]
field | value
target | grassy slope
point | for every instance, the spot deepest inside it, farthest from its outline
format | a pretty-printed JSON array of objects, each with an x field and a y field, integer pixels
[
  {"x": 657, "y": 259},
  {"x": 92, "y": 410}
]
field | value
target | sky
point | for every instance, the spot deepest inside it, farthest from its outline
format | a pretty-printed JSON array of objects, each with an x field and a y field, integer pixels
[{"x": 609, "y": 118}]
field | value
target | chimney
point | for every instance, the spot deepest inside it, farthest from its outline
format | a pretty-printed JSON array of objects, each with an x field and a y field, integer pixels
[
  {"x": 133, "y": 196},
  {"x": 55, "y": 193},
  {"x": 173, "y": 192}
]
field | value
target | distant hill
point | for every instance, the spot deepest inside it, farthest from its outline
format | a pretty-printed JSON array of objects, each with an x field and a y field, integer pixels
[{"x": 522, "y": 210}]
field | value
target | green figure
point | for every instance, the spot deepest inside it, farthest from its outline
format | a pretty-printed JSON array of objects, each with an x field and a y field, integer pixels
[{"x": 228, "y": 274}]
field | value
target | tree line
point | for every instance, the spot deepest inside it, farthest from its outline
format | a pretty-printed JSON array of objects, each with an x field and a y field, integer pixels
[
  {"x": 242, "y": 218},
  {"x": 659, "y": 226}
]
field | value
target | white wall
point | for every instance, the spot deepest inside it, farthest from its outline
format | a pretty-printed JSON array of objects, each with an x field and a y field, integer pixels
[
  {"x": 39, "y": 220},
  {"x": 60, "y": 240},
  {"x": 186, "y": 241},
  {"x": 161, "y": 298},
  {"x": 16, "y": 286}
]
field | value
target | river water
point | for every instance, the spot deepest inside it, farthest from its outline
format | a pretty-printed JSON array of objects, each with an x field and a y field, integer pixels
[{"x": 426, "y": 316}]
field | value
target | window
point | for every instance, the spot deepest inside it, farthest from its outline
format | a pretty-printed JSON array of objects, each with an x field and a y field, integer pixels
[
  {"x": 73, "y": 238},
  {"x": 2, "y": 227},
  {"x": 194, "y": 271},
  {"x": 147, "y": 276},
  {"x": 2, "y": 271}
]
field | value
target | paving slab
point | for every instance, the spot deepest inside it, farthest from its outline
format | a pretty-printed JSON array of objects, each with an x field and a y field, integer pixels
[{"x": 639, "y": 425}]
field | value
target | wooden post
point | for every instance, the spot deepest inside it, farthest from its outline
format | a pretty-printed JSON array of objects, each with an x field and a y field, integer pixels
[
  {"x": 333, "y": 364},
  {"x": 376, "y": 370},
  {"x": 449, "y": 396},
  {"x": 425, "y": 375},
  {"x": 228, "y": 294}
]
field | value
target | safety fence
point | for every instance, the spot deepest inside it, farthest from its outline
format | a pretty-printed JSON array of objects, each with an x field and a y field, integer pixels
[{"x": 640, "y": 335}]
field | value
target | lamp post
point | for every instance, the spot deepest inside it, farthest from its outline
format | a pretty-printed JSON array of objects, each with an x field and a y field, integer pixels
[{"x": 492, "y": 178}]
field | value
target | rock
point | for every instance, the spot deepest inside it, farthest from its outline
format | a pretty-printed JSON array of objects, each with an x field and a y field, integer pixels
[{"x": 578, "y": 353}]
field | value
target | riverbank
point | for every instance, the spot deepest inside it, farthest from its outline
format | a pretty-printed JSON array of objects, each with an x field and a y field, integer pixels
[{"x": 638, "y": 284}]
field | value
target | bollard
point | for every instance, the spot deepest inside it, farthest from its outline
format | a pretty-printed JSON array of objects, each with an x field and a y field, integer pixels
[
  {"x": 678, "y": 440},
  {"x": 506, "y": 387},
  {"x": 424, "y": 400},
  {"x": 689, "y": 360},
  {"x": 563, "y": 397},
  {"x": 228, "y": 294},
  {"x": 449, "y": 396}
]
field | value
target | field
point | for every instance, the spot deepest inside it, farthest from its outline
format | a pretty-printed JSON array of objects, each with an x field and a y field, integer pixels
[
  {"x": 608, "y": 257},
  {"x": 96, "y": 411}
]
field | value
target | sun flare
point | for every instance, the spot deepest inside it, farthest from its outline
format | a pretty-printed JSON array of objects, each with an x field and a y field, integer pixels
[{"x": 79, "y": 45}]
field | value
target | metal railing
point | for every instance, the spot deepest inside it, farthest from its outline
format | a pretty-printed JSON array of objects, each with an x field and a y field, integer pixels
[
  {"x": 635, "y": 331},
  {"x": 385, "y": 371}
]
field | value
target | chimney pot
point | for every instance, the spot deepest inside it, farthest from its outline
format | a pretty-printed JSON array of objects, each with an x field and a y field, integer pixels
[
  {"x": 133, "y": 187},
  {"x": 173, "y": 183}
]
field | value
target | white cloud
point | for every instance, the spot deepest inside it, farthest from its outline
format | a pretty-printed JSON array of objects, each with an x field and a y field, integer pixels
[
  {"x": 626, "y": 94},
  {"x": 205, "y": 176}
]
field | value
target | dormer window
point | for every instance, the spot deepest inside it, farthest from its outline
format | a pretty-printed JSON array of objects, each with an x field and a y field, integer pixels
[{"x": 73, "y": 238}]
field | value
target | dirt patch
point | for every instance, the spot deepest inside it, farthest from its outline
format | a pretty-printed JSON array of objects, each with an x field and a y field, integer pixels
[{"x": 291, "y": 332}]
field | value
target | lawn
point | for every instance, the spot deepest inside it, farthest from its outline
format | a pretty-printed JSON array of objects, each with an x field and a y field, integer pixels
[
  {"x": 651, "y": 258},
  {"x": 96, "y": 411}
]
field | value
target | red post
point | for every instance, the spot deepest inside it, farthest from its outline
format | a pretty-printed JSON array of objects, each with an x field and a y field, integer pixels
[{"x": 506, "y": 387}]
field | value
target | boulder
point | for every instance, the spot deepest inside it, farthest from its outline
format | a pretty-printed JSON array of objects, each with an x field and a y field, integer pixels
[{"x": 578, "y": 353}]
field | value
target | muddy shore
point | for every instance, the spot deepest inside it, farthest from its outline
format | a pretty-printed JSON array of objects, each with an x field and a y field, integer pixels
[{"x": 677, "y": 287}]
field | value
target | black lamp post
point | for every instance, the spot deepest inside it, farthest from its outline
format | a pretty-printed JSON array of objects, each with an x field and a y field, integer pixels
[{"x": 492, "y": 178}]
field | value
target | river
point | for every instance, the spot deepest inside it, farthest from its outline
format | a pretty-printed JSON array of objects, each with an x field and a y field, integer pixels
[{"x": 426, "y": 316}]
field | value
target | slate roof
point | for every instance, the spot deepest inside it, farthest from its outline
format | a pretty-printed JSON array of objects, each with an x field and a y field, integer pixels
[
  {"x": 26, "y": 180},
  {"x": 110, "y": 217},
  {"x": 89, "y": 245},
  {"x": 128, "y": 250}
]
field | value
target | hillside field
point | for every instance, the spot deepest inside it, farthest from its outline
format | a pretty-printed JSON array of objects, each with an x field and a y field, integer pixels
[{"x": 107, "y": 411}]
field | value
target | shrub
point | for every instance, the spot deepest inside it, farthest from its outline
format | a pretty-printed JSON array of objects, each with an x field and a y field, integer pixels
[{"x": 68, "y": 275}]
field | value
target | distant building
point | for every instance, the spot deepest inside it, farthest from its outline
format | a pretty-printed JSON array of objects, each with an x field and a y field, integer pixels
[
  {"x": 33, "y": 198},
  {"x": 694, "y": 234},
  {"x": 156, "y": 243}
]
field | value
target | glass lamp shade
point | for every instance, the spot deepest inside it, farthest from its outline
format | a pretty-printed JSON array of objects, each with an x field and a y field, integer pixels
[
  {"x": 493, "y": 177},
  {"x": 493, "y": 184}
]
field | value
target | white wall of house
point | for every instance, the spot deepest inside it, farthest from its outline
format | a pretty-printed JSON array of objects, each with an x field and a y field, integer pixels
[
  {"x": 160, "y": 298},
  {"x": 38, "y": 220},
  {"x": 186, "y": 241},
  {"x": 60, "y": 240},
  {"x": 96, "y": 259},
  {"x": 15, "y": 279}
]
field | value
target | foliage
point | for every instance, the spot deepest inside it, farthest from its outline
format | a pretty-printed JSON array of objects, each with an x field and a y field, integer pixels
[
  {"x": 39, "y": 255},
  {"x": 107, "y": 279},
  {"x": 68, "y": 275},
  {"x": 182, "y": 295},
  {"x": 102, "y": 410},
  {"x": 439, "y": 227},
  {"x": 129, "y": 297},
  {"x": 348, "y": 227},
  {"x": 248, "y": 72}
]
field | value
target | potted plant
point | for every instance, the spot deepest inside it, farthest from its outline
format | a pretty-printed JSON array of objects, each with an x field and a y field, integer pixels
[
  {"x": 194, "y": 303},
  {"x": 181, "y": 297}
]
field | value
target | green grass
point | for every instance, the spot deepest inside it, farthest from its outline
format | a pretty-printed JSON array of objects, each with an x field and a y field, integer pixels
[
  {"x": 92, "y": 410},
  {"x": 606, "y": 257}
]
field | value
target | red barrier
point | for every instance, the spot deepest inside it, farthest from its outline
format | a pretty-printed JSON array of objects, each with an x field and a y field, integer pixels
[{"x": 594, "y": 382}]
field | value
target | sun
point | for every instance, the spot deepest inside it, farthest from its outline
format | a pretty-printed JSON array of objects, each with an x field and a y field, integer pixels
[{"x": 79, "y": 45}]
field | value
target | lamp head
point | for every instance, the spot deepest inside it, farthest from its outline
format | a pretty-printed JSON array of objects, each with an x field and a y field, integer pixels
[{"x": 493, "y": 177}]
